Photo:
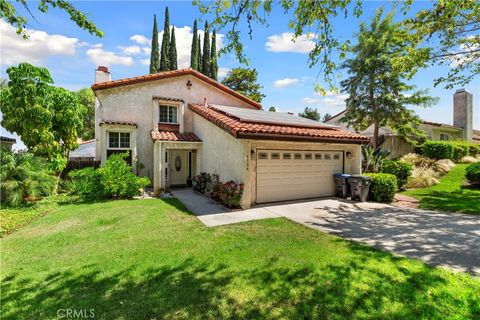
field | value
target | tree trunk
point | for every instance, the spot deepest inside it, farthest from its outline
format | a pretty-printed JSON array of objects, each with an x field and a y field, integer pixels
[{"x": 375, "y": 134}]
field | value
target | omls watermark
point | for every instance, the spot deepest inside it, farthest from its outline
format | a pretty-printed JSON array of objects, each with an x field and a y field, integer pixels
[{"x": 76, "y": 313}]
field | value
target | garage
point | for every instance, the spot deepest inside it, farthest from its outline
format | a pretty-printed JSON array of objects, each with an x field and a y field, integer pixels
[{"x": 296, "y": 174}]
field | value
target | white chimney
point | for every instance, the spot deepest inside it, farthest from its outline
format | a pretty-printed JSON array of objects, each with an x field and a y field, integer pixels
[
  {"x": 463, "y": 112},
  {"x": 102, "y": 74}
]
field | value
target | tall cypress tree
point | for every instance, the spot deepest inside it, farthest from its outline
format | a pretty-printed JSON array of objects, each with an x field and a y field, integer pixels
[
  {"x": 164, "y": 62},
  {"x": 213, "y": 59},
  {"x": 195, "y": 48},
  {"x": 173, "y": 51},
  {"x": 206, "y": 52},
  {"x": 155, "y": 54},
  {"x": 199, "y": 53}
]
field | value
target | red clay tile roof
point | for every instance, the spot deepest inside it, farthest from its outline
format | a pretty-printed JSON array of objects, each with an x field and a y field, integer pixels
[
  {"x": 125, "y": 123},
  {"x": 170, "y": 74},
  {"x": 244, "y": 129},
  {"x": 174, "y": 136}
]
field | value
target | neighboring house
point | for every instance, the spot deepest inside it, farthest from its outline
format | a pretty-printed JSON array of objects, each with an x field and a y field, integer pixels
[
  {"x": 85, "y": 151},
  {"x": 462, "y": 128},
  {"x": 7, "y": 143},
  {"x": 180, "y": 123}
]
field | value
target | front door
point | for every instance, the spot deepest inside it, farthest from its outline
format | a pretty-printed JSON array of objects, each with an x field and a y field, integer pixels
[{"x": 178, "y": 167}]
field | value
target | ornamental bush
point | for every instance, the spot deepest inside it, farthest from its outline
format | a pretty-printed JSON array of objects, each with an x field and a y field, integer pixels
[
  {"x": 460, "y": 150},
  {"x": 399, "y": 169},
  {"x": 199, "y": 182},
  {"x": 383, "y": 187},
  {"x": 438, "y": 150},
  {"x": 114, "y": 180},
  {"x": 472, "y": 173}
]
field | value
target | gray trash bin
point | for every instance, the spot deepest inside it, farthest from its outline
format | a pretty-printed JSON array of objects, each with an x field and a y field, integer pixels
[
  {"x": 359, "y": 187},
  {"x": 342, "y": 189}
]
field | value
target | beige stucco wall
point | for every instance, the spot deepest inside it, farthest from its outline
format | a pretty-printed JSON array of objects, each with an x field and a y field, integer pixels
[
  {"x": 433, "y": 132},
  {"x": 134, "y": 103}
]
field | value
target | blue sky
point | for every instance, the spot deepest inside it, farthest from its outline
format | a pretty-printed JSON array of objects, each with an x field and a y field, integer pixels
[{"x": 71, "y": 54}]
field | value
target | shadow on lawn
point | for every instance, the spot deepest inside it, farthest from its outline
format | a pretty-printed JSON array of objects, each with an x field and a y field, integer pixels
[
  {"x": 194, "y": 290},
  {"x": 464, "y": 200}
]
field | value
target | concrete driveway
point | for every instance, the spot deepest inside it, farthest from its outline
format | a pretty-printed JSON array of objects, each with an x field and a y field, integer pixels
[{"x": 443, "y": 239}]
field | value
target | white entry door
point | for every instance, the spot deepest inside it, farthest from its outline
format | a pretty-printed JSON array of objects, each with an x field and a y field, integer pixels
[
  {"x": 296, "y": 174},
  {"x": 178, "y": 167}
]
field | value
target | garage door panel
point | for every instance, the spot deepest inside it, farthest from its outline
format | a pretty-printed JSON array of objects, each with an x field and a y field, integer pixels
[{"x": 289, "y": 175}]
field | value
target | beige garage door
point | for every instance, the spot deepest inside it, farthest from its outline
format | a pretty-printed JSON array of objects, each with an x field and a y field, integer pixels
[{"x": 294, "y": 174}]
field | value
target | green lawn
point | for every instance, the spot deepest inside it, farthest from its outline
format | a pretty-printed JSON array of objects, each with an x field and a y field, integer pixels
[
  {"x": 450, "y": 194},
  {"x": 150, "y": 259}
]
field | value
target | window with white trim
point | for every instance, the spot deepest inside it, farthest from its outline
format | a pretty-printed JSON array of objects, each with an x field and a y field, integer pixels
[
  {"x": 119, "y": 142},
  {"x": 168, "y": 114},
  {"x": 444, "y": 136}
]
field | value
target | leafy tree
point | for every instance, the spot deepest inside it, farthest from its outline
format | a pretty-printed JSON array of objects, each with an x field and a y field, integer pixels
[
  {"x": 86, "y": 98},
  {"x": 244, "y": 81},
  {"x": 173, "y": 51},
  {"x": 155, "y": 53},
  {"x": 447, "y": 34},
  {"x": 272, "y": 109},
  {"x": 195, "y": 48},
  {"x": 326, "y": 117},
  {"x": 213, "y": 58},
  {"x": 9, "y": 13},
  {"x": 164, "y": 62},
  {"x": 447, "y": 31},
  {"x": 24, "y": 177},
  {"x": 200, "y": 57},
  {"x": 206, "y": 52},
  {"x": 377, "y": 92},
  {"x": 310, "y": 113},
  {"x": 49, "y": 119}
]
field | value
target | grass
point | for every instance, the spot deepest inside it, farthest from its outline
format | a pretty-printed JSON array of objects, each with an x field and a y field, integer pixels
[
  {"x": 150, "y": 259},
  {"x": 450, "y": 194}
]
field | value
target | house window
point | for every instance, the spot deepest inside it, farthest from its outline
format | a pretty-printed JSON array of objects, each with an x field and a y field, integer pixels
[
  {"x": 275, "y": 156},
  {"x": 318, "y": 156},
  {"x": 444, "y": 136},
  {"x": 297, "y": 156},
  {"x": 308, "y": 156},
  {"x": 119, "y": 142},
  {"x": 168, "y": 114},
  {"x": 287, "y": 156}
]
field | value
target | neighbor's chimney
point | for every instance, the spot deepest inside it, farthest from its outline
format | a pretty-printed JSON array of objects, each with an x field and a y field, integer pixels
[
  {"x": 463, "y": 112},
  {"x": 102, "y": 74}
]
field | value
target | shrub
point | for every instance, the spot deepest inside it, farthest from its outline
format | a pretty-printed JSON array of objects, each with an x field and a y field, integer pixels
[
  {"x": 422, "y": 178},
  {"x": 417, "y": 160},
  {"x": 438, "y": 150},
  {"x": 474, "y": 150},
  {"x": 469, "y": 159},
  {"x": 199, "y": 182},
  {"x": 459, "y": 151},
  {"x": 373, "y": 158},
  {"x": 24, "y": 177},
  {"x": 230, "y": 193},
  {"x": 443, "y": 166},
  {"x": 472, "y": 173},
  {"x": 114, "y": 180},
  {"x": 401, "y": 170},
  {"x": 383, "y": 187}
]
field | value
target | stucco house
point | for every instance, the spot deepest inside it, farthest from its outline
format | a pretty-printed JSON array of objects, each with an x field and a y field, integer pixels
[
  {"x": 462, "y": 128},
  {"x": 180, "y": 123}
]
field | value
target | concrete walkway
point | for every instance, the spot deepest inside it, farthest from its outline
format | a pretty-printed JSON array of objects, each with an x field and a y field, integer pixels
[{"x": 443, "y": 239}]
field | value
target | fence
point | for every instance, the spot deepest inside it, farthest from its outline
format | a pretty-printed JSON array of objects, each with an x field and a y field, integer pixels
[{"x": 79, "y": 163}]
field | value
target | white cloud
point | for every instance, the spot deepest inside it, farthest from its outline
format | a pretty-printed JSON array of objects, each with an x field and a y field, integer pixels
[
  {"x": 469, "y": 48},
  {"x": 107, "y": 58},
  {"x": 36, "y": 49},
  {"x": 308, "y": 100},
  {"x": 138, "y": 38},
  {"x": 335, "y": 100},
  {"x": 145, "y": 61},
  {"x": 287, "y": 82},
  {"x": 285, "y": 42},
  {"x": 222, "y": 72},
  {"x": 183, "y": 37},
  {"x": 131, "y": 50}
]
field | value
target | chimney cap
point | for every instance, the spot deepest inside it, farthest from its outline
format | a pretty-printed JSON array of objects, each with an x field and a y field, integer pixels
[{"x": 103, "y": 69}]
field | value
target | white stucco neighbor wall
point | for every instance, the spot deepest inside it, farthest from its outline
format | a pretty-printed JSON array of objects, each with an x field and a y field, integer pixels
[{"x": 134, "y": 103}]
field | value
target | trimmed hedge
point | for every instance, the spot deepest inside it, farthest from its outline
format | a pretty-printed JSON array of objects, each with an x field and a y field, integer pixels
[
  {"x": 383, "y": 187},
  {"x": 438, "y": 150},
  {"x": 399, "y": 169},
  {"x": 472, "y": 173},
  {"x": 453, "y": 150}
]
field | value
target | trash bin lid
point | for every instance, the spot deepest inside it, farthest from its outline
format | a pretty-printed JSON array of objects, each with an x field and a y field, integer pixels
[
  {"x": 360, "y": 177},
  {"x": 341, "y": 175}
]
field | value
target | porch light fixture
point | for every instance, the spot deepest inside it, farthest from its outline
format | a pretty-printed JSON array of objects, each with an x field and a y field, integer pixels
[
  {"x": 189, "y": 84},
  {"x": 349, "y": 155}
]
